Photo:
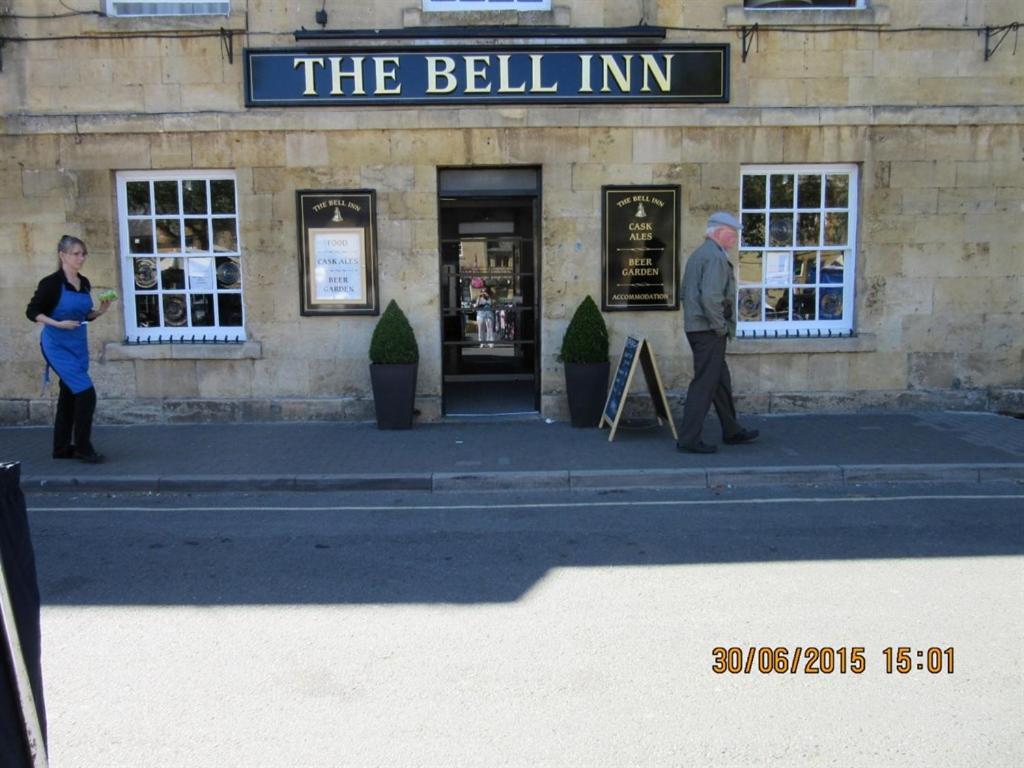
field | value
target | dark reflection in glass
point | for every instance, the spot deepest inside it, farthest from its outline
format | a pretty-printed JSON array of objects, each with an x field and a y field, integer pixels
[
  {"x": 808, "y": 191},
  {"x": 147, "y": 311},
  {"x": 193, "y": 193},
  {"x": 168, "y": 235},
  {"x": 835, "y": 228},
  {"x": 202, "y": 309},
  {"x": 803, "y": 304},
  {"x": 172, "y": 274},
  {"x": 750, "y": 304},
  {"x": 224, "y": 237},
  {"x": 805, "y": 267},
  {"x": 782, "y": 191},
  {"x": 753, "y": 229},
  {"x": 832, "y": 266},
  {"x": 175, "y": 310},
  {"x": 222, "y": 192},
  {"x": 781, "y": 230},
  {"x": 831, "y": 304},
  {"x": 754, "y": 192},
  {"x": 138, "y": 197},
  {"x": 750, "y": 267},
  {"x": 229, "y": 272},
  {"x": 197, "y": 235},
  {"x": 229, "y": 306},
  {"x": 166, "y": 193},
  {"x": 776, "y": 304},
  {"x": 140, "y": 236},
  {"x": 837, "y": 191},
  {"x": 145, "y": 274},
  {"x": 808, "y": 229}
]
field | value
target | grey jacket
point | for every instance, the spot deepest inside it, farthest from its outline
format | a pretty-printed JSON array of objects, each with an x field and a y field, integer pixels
[{"x": 709, "y": 291}]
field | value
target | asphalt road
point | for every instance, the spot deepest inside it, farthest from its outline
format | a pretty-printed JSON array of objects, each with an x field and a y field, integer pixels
[{"x": 534, "y": 629}]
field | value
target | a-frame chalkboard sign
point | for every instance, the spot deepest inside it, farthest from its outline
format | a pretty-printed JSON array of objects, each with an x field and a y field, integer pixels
[{"x": 635, "y": 350}]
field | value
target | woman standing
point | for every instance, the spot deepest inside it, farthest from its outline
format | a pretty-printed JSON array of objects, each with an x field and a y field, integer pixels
[
  {"x": 63, "y": 306},
  {"x": 485, "y": 317}
]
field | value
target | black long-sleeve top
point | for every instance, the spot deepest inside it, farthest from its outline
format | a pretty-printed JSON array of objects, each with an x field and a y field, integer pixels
[{"x": 47, "y": 294}]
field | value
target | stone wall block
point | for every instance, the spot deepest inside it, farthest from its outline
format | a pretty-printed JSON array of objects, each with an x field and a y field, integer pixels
[
  {"x": 166, "y": 378},
  {"x": 225, "y": 378}
]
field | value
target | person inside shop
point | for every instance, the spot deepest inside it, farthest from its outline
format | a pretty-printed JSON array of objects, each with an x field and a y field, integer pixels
[
  {"x": 709, "y": 319},
  {"x": 485, "y": 316},
  {"x": 62, "y": 304}
]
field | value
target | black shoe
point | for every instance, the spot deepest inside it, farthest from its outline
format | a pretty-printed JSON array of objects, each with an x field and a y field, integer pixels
[
  {"x": 743, "y": 436},
  {"x": 90, "y": 458},
  {"x": 698, "y": 447},
  {"x": 64, "y": 453}
]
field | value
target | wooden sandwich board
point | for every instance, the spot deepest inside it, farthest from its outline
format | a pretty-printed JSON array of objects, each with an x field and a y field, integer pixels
[{"x": 636, "y": 350}]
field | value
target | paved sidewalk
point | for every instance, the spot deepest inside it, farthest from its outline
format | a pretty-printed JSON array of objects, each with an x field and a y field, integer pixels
[{"x": 792, "y": 449}]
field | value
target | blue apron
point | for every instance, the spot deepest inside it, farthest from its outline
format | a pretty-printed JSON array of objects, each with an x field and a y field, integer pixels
[{"x": 67, "y": 352}]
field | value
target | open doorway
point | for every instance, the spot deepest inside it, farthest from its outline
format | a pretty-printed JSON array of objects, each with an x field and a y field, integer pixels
[{"x": 489, "y": 297}]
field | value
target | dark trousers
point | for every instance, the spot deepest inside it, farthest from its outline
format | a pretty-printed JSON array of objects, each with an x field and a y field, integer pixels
[
  {"x": 711, "y": 384},
  {"x": 74, "y": 420}
]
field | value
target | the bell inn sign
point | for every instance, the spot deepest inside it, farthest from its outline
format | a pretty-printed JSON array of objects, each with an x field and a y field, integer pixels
[{"x": 542, "y": 75}]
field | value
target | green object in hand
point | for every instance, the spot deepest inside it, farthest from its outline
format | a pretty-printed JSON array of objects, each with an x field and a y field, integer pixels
[{"x": 108, "y": 296}]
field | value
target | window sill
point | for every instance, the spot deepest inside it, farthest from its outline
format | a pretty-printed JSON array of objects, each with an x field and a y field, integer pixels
[
  {"x": 865, "y": 342},
  {"x": 234, "y": 22},
  {"x": 558, "y": 16},
  {"x": 247, "y": 350},
  {"x": 873, "y": 16}
]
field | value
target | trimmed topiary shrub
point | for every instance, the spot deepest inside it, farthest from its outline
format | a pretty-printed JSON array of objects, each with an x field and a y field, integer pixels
[
  {"x": 586, "y": 338},
  {"x": 393, "y": 340}
]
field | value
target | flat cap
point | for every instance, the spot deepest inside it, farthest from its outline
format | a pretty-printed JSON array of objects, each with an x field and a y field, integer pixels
[{"x": 723, "y": 219}]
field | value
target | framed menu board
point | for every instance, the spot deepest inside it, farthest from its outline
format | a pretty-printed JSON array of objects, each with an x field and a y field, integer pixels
[
  {"x": 639, "y": 248},
  {"x": 338, "y": 272}
]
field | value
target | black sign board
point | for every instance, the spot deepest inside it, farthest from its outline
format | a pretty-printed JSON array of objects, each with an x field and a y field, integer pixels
[
  {"x": 428, "y": 75},
  {"x": 639, "y": 248},
  {"x": 636, "y": 350},
  {"x": 337, "y": 252}
]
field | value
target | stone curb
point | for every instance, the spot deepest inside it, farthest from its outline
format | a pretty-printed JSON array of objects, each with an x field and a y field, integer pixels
[{"x": 711, "y": 477}]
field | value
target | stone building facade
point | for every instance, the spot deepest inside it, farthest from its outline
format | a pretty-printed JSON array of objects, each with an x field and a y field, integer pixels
[{"x": 891, "y": 132}]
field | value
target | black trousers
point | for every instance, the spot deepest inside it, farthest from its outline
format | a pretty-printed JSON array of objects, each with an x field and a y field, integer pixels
[
  {"x": 711, "y": 384},
  {"x": 72, "y": 426}
]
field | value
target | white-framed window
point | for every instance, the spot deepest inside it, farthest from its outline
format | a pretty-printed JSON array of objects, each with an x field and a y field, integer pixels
[
  {"x": 167, "y": 8},
  {"x": 797, "y": 252},
  {"x": 789, "y": 5},
  {"x": 486, "y": 5},
  {"x": 181, "y": 269}
]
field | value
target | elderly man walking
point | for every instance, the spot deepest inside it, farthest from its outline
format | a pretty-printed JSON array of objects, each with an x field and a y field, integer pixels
[{"x": 709, "y": 318}]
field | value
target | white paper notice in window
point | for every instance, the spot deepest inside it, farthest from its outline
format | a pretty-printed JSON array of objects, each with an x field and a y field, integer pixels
[
  {"x": 200, "y": 274},
  {"x": 338, "y": 271},
  {"x": 776, "y": 267}
]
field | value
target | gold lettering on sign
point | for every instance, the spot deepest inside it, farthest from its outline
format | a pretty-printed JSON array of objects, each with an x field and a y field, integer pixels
[
  {"x": 307, "y": 63},
  {"x": 384, "y": 75},
  {"x": 585, "y": 86},
  {"x": 439, "y": 67},
  {"x": 664, "y": 77},
  {"x": 537, "y": 77},
  {"x": 476, "y": 72},
  {"x": 503, "y": 77},
  {"x": 356, "y": 74},
  {"x": 611, "y": 67}
]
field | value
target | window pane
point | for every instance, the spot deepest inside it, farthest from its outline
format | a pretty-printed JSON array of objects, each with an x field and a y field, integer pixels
[
  {"x": 805, "y": 267},
  {"x": 140, "y": 236},
  {"x": 230, "y": 308},
  {"x": 145, "y": 274},
  {"x": 750, "y": 304},
  {"x": 837, "y": 190},
  {"x": 750, "y": 267},
  {"x": 168, "y": 235},
  {"x": 229, "y": 273},
  {"x": 193, "y": 193},
  {"x": 175, "y": 312},
  {"x": 777, "y": 304},
  {"x": 835, "y": 228},
  {"x": 832, "y": 267},
  {"x": 754, "y": 192},
  {"x": 172, "y": 274},
  {"x": 808, "y": 229},
  {"x": 197, "y": 235},
  {"x": 753, "y": 229},
  {"x": 809, "y": 191},
  {"x": 782, "y": 191},
  {"x": 138, "y": 197},
  {"x": 224, "y": 237},
  {"x": 202, "y": 309},
  {"x": 166, "y": 193},
  {"x": 803, "y": 304},
  {"x": 781, "y": 230},
  {"x": 147, "y": 313},
  {"x": 223, "y": 193},
  {"x": 831, "y": 304},
  {"x": 200, "y": 274}
]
